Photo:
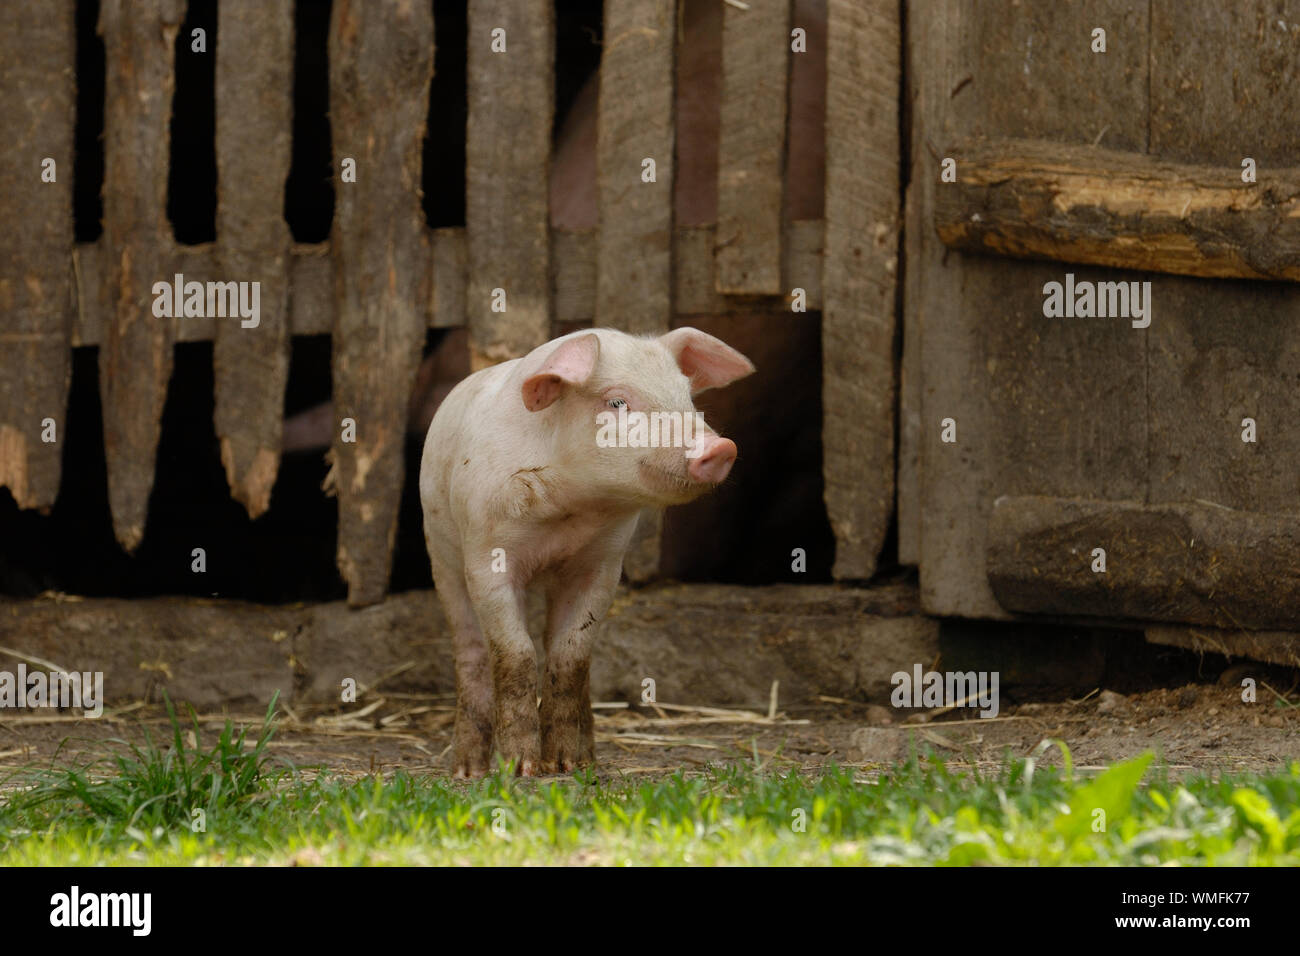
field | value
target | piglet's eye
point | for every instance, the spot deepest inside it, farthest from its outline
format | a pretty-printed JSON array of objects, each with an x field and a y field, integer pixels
[{"x": 616, "y": 403}]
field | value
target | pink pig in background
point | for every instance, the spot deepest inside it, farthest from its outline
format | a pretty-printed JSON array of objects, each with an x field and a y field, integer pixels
[{"x": 517, "y": 494}]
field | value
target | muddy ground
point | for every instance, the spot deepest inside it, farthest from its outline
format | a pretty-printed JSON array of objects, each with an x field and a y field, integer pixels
[{"x": 1196, "y": 727}]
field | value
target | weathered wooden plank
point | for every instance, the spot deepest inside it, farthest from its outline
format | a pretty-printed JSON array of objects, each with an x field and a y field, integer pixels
[
  {"x": 37, "y": 110},
  {"x": 448, "y": 278},
  {"x": 312, "y": 306},
  {"x": 507, "y": 157},
  {"x": 1222, "y": 352},
  {"x": 1227, "y": 88},
  {"x": 254, "y": 105},
  {"x": 752, "y": 145},
  {"x": 1010, "y": 379},
  {"x": 928, "y": 54},
  {"x": 634, "y": 125},
  {"x": 1040, "y": 200},
  {"x": 693, "y": 289},
  {"x": 573, "y": 274},
  {"x": 381, "y": 63},
  {"x": 135, "y": 358},
  {"x": 858, "y": 274},
  {"x": 1276, "y": 647},
  {"x": 1186, "y": 561}
]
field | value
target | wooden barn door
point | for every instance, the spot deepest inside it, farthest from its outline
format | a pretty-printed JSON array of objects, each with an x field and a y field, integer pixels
[{"x": 1040, "y": 441}]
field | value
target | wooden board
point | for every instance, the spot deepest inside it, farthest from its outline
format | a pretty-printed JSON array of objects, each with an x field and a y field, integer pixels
[
  {"x": 858, "y": 278},
  {"x": 634, "y": 122},
  {"x": 254, "y": 106},
  {"x": 1276, "y": 647},
  {"x": 1040, "y": 200},
  {"x": 1185, "y": 562},
  {"x": 37, "y": 110},
  {"x": 381, "y": 63},
  {"x": 135, "y": 358},
  {"x": 1041, "y": 406},
  {"x": 448, "y": 278},
  {"x": 507, "y": 159},
  {"x": 1224, "y": 351},
  {"x": 573, "y": 271},
  {"x": 752, "y": 145},
  {"x": 930, "y": 53}
]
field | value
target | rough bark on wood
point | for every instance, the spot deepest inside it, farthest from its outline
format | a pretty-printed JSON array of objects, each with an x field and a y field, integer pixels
[
  {"x": 507, "y": 163},
  {"x": 254, "y": 107},
  {"x": 38, "y": 90},
  {"x": 752, "y": 145},
  {"x": 381, "y": 63},
  {"x": 858, "y": 273},
  {"x": 1187, "y": 562},
  {"x": 135, "y": 358},
  {"x": 1039, "y": 200},
  {"x": 633, "y": 254}
]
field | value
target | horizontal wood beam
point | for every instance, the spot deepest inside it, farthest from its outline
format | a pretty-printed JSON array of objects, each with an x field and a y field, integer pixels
[
  {"x": 1034, "y": 200},
  {"x": 1192, "y": 563},
  {"x": 573, "y": 267},
  {"x": 1275, "y": 647}
]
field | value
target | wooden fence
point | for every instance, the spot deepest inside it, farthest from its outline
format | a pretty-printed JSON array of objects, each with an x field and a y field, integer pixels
[{"x": 383, "y": 277}]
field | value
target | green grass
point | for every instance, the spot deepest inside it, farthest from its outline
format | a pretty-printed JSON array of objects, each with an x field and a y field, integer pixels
[{"x": 136, "y": 805}]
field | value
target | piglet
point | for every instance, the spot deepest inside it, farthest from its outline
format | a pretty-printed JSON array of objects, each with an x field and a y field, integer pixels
[{"x": 527, "y": 483}]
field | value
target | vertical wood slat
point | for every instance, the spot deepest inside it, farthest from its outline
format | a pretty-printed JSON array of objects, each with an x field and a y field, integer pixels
[
  {"x": 507, "y": 159},
  {"x": 858, "y": 277},
  {"x": 381, "y": 64},
  {"x": 751, "y": 147},
  {"x": 254, "y": 107},
  {"x": 634, "y": 243},
  {"x": 448, "y": 278},
  {"x": 926, "y": 99},
  {"x": 135, "y": 358},
  {"x": 38, "y": 103}
]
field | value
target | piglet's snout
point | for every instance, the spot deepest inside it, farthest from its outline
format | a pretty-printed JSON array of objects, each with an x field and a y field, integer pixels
[{"x": 714, "y": 462}]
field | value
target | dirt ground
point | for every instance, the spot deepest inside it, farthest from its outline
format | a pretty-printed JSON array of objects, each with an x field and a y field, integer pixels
[{"x": 1197, "y": 727}]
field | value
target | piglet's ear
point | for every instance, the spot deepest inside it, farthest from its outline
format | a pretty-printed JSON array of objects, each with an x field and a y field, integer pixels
[
  {"x": 571, "y": 363},
  {"x": 708, "y": 362}
]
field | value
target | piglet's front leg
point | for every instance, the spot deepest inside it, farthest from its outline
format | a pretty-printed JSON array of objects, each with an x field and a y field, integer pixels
[
  {"x": 501, "y": 614},
  {"x": 577, "y": 602}
]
